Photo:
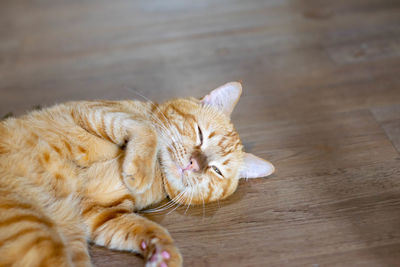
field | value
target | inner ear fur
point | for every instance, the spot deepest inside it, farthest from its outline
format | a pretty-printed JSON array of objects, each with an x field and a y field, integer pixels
[
  {"x": 224, "y": 97},
  {"x": 255, "y": 167}
]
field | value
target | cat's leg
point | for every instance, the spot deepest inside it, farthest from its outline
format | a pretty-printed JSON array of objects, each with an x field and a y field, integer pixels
[
  {"x": 77, "y": 245},
  {"x": 138, "y": 168},
  {"x": 116, "y": 227},
  {"x": 66, "y": 214},
  {"x": 27, "y": 236},
  {"x": 120, "y": 128}
]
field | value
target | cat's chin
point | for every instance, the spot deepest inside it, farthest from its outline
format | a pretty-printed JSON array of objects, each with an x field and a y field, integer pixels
[{"x": 173, "y": 175}]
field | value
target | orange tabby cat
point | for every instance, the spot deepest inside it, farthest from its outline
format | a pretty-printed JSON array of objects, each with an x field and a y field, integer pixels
[{"x": 77, "y": 172}]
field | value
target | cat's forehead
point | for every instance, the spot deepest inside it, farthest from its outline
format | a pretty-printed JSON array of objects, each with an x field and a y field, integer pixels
[
  {"x": 224, "y": 144},
  {"x": 191, "y": 109}
]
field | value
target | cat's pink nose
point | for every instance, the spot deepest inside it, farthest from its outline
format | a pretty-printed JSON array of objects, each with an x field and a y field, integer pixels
[{"x": 193, "y": 165}]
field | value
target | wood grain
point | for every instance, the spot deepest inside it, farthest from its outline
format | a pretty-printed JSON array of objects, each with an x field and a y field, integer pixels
[
  {"x": 389, "y": 118},
  {"x": 321, "y": 101}
]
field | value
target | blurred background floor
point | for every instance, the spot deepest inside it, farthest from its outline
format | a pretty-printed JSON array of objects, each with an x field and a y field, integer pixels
[{"x": 321, "y": 101}]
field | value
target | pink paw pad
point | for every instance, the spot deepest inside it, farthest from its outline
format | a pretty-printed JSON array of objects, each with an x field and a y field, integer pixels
[
  {"x": 143, "y": 245},
  {"x": 165, "y": 255},
  {"x": 163, "y": 264},
  {"x": 154, "y": 257}
]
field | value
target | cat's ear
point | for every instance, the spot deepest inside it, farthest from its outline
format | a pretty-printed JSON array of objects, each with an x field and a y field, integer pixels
[
  {"x": 224, "y": 97},
  {"x": 255, "y": 167}
]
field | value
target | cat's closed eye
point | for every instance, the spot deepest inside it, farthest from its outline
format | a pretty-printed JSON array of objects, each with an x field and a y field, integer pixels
[
  {"x": 200, "y": 135},
  {"x": 217, "y": 170}
]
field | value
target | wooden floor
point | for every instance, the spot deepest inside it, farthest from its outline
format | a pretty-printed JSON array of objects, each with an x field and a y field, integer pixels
[{"x": 321, "y": 101}]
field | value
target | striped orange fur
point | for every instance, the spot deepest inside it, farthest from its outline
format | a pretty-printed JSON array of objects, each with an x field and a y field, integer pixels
[{"x": 79, "y": 171}]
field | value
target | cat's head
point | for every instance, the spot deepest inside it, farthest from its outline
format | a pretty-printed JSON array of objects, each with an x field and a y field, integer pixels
[{"x": 201, "y": 155}]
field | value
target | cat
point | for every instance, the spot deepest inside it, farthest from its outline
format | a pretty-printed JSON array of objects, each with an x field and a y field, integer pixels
[{"x": 79, "y": 172}]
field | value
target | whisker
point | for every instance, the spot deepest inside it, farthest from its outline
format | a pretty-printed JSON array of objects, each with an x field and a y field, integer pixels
[
  {"x": 192, "y": 184},
  {"x": 166, "y": 205},
  {"x": 177, "y": 198},
  {"x": 171, "y": 200},
  {"x": 170, "y": 204},
  {"x": 177, "y": 205},
  {"x": 190, "y": 202},
  {"x": 173, "y": 204}
]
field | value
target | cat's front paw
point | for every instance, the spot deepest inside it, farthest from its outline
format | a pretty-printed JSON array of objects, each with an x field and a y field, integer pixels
[
  {"x": 139, "y": 174},
  {"x": 161, "y": 254}
]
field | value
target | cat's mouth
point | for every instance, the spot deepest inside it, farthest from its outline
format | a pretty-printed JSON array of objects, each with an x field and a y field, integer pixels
[
  {"x": 181, "y": 174},
  {"x": 177, "y": 170},
  {"x": 178, "y": 175}
]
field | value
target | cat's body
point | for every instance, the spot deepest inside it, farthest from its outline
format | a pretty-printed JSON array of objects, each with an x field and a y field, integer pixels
[{"x": 77, "y": 172}]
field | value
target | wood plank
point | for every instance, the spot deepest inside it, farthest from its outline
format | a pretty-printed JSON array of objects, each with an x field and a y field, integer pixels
[
  {"x": 321, "y": 101},
  {"x": 389, "y": 118}
]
